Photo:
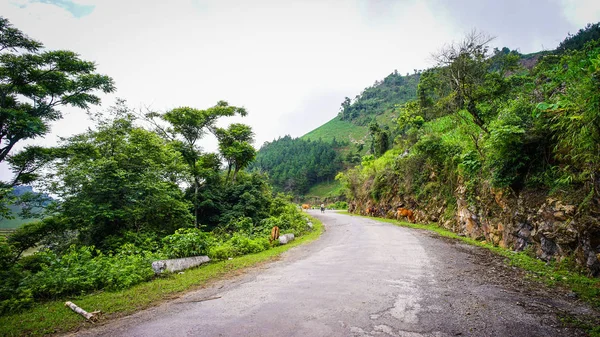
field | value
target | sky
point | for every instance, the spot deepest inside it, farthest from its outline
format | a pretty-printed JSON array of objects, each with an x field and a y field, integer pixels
[{"x": 289, "y": 63}]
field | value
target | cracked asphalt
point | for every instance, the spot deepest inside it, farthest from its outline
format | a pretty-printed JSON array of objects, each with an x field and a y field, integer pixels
[{"x": 365, "y": 278}]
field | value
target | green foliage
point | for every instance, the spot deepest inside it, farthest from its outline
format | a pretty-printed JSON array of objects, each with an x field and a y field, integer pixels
[
  {"x": 85, "y": 269},
  {"x": 49, "y": 317},
  {"x": 339, "y": 205},
  {"x": 34, "y": 83},
  {"x": 119, "y": 178},
  {"x": 187, "y": 126},
  {"x": 591, "y": 32},
  {"x": 336, "y": 129},
  {"x": 235, "y": 144},
  {"x": 328, "y": 190},
  {"x": 186, "y": 242},
  {"x": 506, "y": 158},
  {"x": 294, "y": 165},
  {"x": 80, "y": 270},
  {"x": 380, "y": 139},
  {"x": 570, "y": 112},
  {"x": 479, "y": 121},
  {"x": 237, "y": 245},
  {"x": 250, "y": 197},
  {"x": 394, "y": 89}
]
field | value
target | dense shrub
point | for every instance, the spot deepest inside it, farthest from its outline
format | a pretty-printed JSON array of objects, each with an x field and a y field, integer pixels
[
  {"x": 237, "y": 245},
  {"x": 85, "y": 269},
  {"x": 339, "y": 205},
  {"x": 187, "y": 242}
]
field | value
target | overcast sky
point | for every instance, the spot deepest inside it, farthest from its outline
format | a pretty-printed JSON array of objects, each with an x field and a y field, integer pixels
[{"x": 290, "y": 63}]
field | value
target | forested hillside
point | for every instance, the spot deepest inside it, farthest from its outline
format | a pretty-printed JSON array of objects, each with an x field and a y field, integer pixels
[
  {"x": 294, "y": 165},
  {"x": 364, "y": 125},
  {"x": 384, "y": 95},
  {"x": 498, "y": 151}
]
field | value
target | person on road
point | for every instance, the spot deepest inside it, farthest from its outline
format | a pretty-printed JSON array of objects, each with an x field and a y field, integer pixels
[{"x": 322, "y": 208}]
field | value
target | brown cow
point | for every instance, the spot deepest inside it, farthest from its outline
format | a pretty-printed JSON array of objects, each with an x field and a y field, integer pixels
[
  {"x": 305, "y": 207},
  {"x": 407, "y": 213},
  {"x": 371, "y": 211},
  {"x": 274, "y": 234}
]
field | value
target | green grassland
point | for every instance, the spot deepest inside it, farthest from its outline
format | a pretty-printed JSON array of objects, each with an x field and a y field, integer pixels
[
  {"x": 324, "y": 190},
  {"x": 17, "y": 221},
  {"x": 338, "y": 129}
]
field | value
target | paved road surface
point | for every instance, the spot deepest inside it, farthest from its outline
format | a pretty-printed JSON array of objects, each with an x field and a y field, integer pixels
[{"x": 362, "y": 278}]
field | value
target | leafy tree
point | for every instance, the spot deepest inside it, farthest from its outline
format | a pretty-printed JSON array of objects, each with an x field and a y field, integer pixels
[
  {"x": 119, "y": 178},
  {"x": 235, "y": 146},
  {"x": 466, "y": 79},
  {"x": 34, "y": 83},
  {"x": 383, "y": 95},
  {"x": 187, "y": 127},
  {"x": 380, "y": 139},
  {"x": 591, "y": 32}
]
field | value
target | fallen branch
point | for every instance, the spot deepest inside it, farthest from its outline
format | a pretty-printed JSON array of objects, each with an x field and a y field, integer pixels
[{"x": 90, "y": 316}]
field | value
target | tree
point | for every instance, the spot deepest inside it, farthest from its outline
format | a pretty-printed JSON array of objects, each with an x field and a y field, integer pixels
[
  {"x": 380, "y": 139},
  {"x": 33, "y": 84},
  {"x": 119, "y": 178},
  {"x": 187, "y": 127},
  {"x": 235, "y": 146},
  {"x": 469, "y": 76},
  {"x": 344, "y": 108}
]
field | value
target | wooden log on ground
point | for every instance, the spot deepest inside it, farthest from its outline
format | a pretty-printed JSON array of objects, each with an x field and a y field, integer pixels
[{"x": 90, "y": 316}]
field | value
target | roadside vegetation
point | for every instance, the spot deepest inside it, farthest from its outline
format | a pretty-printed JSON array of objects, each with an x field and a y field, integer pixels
[
  {"x": 134, "y": 188},
  {"x": 495, "y": 139},
  {"x": 51, "y": 316}
]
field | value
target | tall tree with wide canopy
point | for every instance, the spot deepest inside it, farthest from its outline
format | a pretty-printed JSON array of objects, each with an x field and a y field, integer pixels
[
  {"x": 187, "y": 126},
  {"x": 34, "y": 83}
]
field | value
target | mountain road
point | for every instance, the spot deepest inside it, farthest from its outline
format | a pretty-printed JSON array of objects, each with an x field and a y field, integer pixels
[{"x": 363, "y": 277}]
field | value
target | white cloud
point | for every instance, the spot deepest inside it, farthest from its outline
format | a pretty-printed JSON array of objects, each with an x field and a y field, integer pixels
[{"x": 581, "y": 12}]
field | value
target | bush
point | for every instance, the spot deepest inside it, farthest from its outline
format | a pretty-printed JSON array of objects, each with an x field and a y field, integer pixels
[
  {"x": 238, "y": 245},
  {"x": 11, "y": 298},
  {"x": 85, "y": 269},
  {"x": 187, "y": 242},
  {"x": 339, "y": 205}
]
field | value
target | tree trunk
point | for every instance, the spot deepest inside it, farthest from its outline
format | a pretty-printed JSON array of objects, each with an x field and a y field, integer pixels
[
  {"x": 90, "y": 316},
  {"x": 195, "y": 203}
]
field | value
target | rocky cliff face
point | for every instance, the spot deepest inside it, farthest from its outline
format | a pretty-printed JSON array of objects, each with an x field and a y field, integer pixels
[{"x": 550, "y": 227}]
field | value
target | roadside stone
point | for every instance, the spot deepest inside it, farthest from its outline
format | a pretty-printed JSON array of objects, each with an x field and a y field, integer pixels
[
  {"x": 285, "y": 238},
  {"x": 174, "y": 265}
]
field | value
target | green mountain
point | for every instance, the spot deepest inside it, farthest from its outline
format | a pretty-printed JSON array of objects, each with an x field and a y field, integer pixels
[
  {"x": 307, "y": 166},
  {"x": 379, "y": 103}
]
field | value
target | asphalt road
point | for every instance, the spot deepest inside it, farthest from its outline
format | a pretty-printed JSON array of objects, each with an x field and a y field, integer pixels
[{"x": 363, "y": 278}]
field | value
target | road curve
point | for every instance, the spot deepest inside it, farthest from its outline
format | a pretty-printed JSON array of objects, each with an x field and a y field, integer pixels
[{"x": 361, "y": 278}]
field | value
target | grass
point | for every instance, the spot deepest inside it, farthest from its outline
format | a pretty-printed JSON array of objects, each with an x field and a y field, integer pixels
[
  {"x": 17, "y": 221},
  {"x": 341, "y": 130},
  {"x": 552, "y": 273},
  {"x": 325, "y": 189},
  {"x": 53, "y": 317}
]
